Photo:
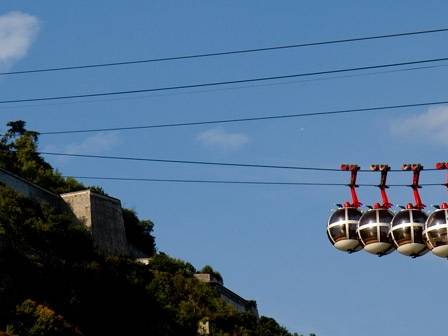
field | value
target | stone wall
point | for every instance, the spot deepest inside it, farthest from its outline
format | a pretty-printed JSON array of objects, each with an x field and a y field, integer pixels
[
  {"x": 30, "y": 190},
  {"x": 231, "y": 298},
  {"x": 135, "y": 253},
  {"x": 103, "y": 216},
  {"x": 207, "y": 277}
]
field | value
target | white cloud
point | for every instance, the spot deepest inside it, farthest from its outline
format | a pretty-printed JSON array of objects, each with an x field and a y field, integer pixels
[
  {"x": 96, "y": 144},
  {"x": 430, "y": 126},
  {"x": 17, "y": 33},
  {"x": 222, "y": 139}
]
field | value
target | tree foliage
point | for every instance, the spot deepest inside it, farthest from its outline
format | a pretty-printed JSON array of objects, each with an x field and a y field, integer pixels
[
  {"x": 18, "y": 154},
  {"x": 139, "y": 232},
  {"x": 209, "y": 269},
  {"x": 52, "y": 282},
  {"x": 35, "y": 319}
]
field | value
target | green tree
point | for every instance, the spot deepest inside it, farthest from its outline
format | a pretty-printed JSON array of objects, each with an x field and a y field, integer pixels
[
  {"x": 269, "y": 327},
  {"x": 139, "y": 232},
  {"x": 208, "y": 269},
  {"x": 46, "y": 254},
  {"x": 35, "y": 319},
  {"x": 18, "y": 148}
]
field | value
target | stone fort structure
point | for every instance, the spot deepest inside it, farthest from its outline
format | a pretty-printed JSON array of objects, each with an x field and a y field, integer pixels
[
  {"x": 205, "y": 326},
  {"x": 240, "y": 304},
  {"x": 103, "y": 216}
]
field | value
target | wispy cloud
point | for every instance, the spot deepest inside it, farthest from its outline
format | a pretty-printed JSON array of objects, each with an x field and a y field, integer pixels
[
  {"x": 219, "y": 138},
  {"x": 96, "y": 144},
  {"x": 99, "y": 143},
  {"x": 430, "y": 126},
  {"x": 17, "y": 33}
]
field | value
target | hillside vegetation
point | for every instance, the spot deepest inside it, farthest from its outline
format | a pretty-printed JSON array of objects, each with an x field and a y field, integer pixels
[{"x": 52, "y": 282}]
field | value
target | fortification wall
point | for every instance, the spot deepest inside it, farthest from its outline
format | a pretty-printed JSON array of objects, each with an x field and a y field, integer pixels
[
  {"x": 30, "y": 190},
  {"x": 79, "y": 203},
  {"x": 135, "y": 253},
  {"x": 228, "y": 296},
  {"x": 207, "y": 277},
  {"x": 103, "y": 216}
]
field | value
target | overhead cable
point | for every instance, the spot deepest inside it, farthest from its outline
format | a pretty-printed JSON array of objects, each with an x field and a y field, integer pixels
[
  {"x": 224, "y": 53},
  {"x": 215, "y": 84},
  {"x": 130, "y": 179},
  {"x": 248, "y": 119},
  {"x": 218, "y": 89},
  {"x": 208, "y": 163}
]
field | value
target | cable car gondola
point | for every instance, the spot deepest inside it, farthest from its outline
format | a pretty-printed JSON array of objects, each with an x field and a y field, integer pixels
[
  {"x": 374, "y": 225},
  {"x": 436, "y": 226},
  {"x": 436, "y": 231},
  {"x": 408, "y": 224},
  {"x": 343, "y": 223}
]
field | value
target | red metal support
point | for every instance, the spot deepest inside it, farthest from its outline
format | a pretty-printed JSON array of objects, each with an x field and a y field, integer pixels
[
  {"x": 416, "y": 168},
  {"x": 384, "y": 169},
  {"x": 353, "y": 169},
  {"x": 443, "y": 166}
]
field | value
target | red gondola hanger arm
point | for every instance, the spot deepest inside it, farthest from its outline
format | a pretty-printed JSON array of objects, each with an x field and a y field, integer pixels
[
  {"x": 384, "y": 169},
  {"x": 443, "y": 166},
  {"x": 353, "y": 169},
  {"x": 416, "y": 168}
]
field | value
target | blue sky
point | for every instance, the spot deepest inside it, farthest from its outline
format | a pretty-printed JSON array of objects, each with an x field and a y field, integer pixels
[{"x": 269, "y": 242}]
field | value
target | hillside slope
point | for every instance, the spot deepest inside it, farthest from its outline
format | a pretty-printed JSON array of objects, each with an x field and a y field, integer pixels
[{"x": 52, "y": 281}]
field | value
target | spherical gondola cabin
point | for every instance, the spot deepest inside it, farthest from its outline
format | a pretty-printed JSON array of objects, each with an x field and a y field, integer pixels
[
  {"x": 407, "y": 232},
  {"x": 373, "y": 231},
  {"x": 341, "y": 229},
  {"x": 436, "y": 232}
]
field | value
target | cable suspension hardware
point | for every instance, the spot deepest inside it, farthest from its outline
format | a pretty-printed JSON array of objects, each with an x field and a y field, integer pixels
[
  {"x": 353, "y": 169},
  {"x": 416, "y": 168},
  {"x": 443, "y": 166},
  {"x": 384, "y": 169}
]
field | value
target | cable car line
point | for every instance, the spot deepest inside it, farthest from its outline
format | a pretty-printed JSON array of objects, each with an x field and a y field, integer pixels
[
  {"x": 228, "y": 164},
  {"x": 206, "y": 181},
  {"x": 216, "y": 84},
  {"x": 224, "y": 53},
  {"x": 410, "y": 185},
  {"x": 130, "y": 179},
  {"x": 208, "y": 163},
  {"x": 249, "y": 119},
  {"x": 249, "y": 86}
]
